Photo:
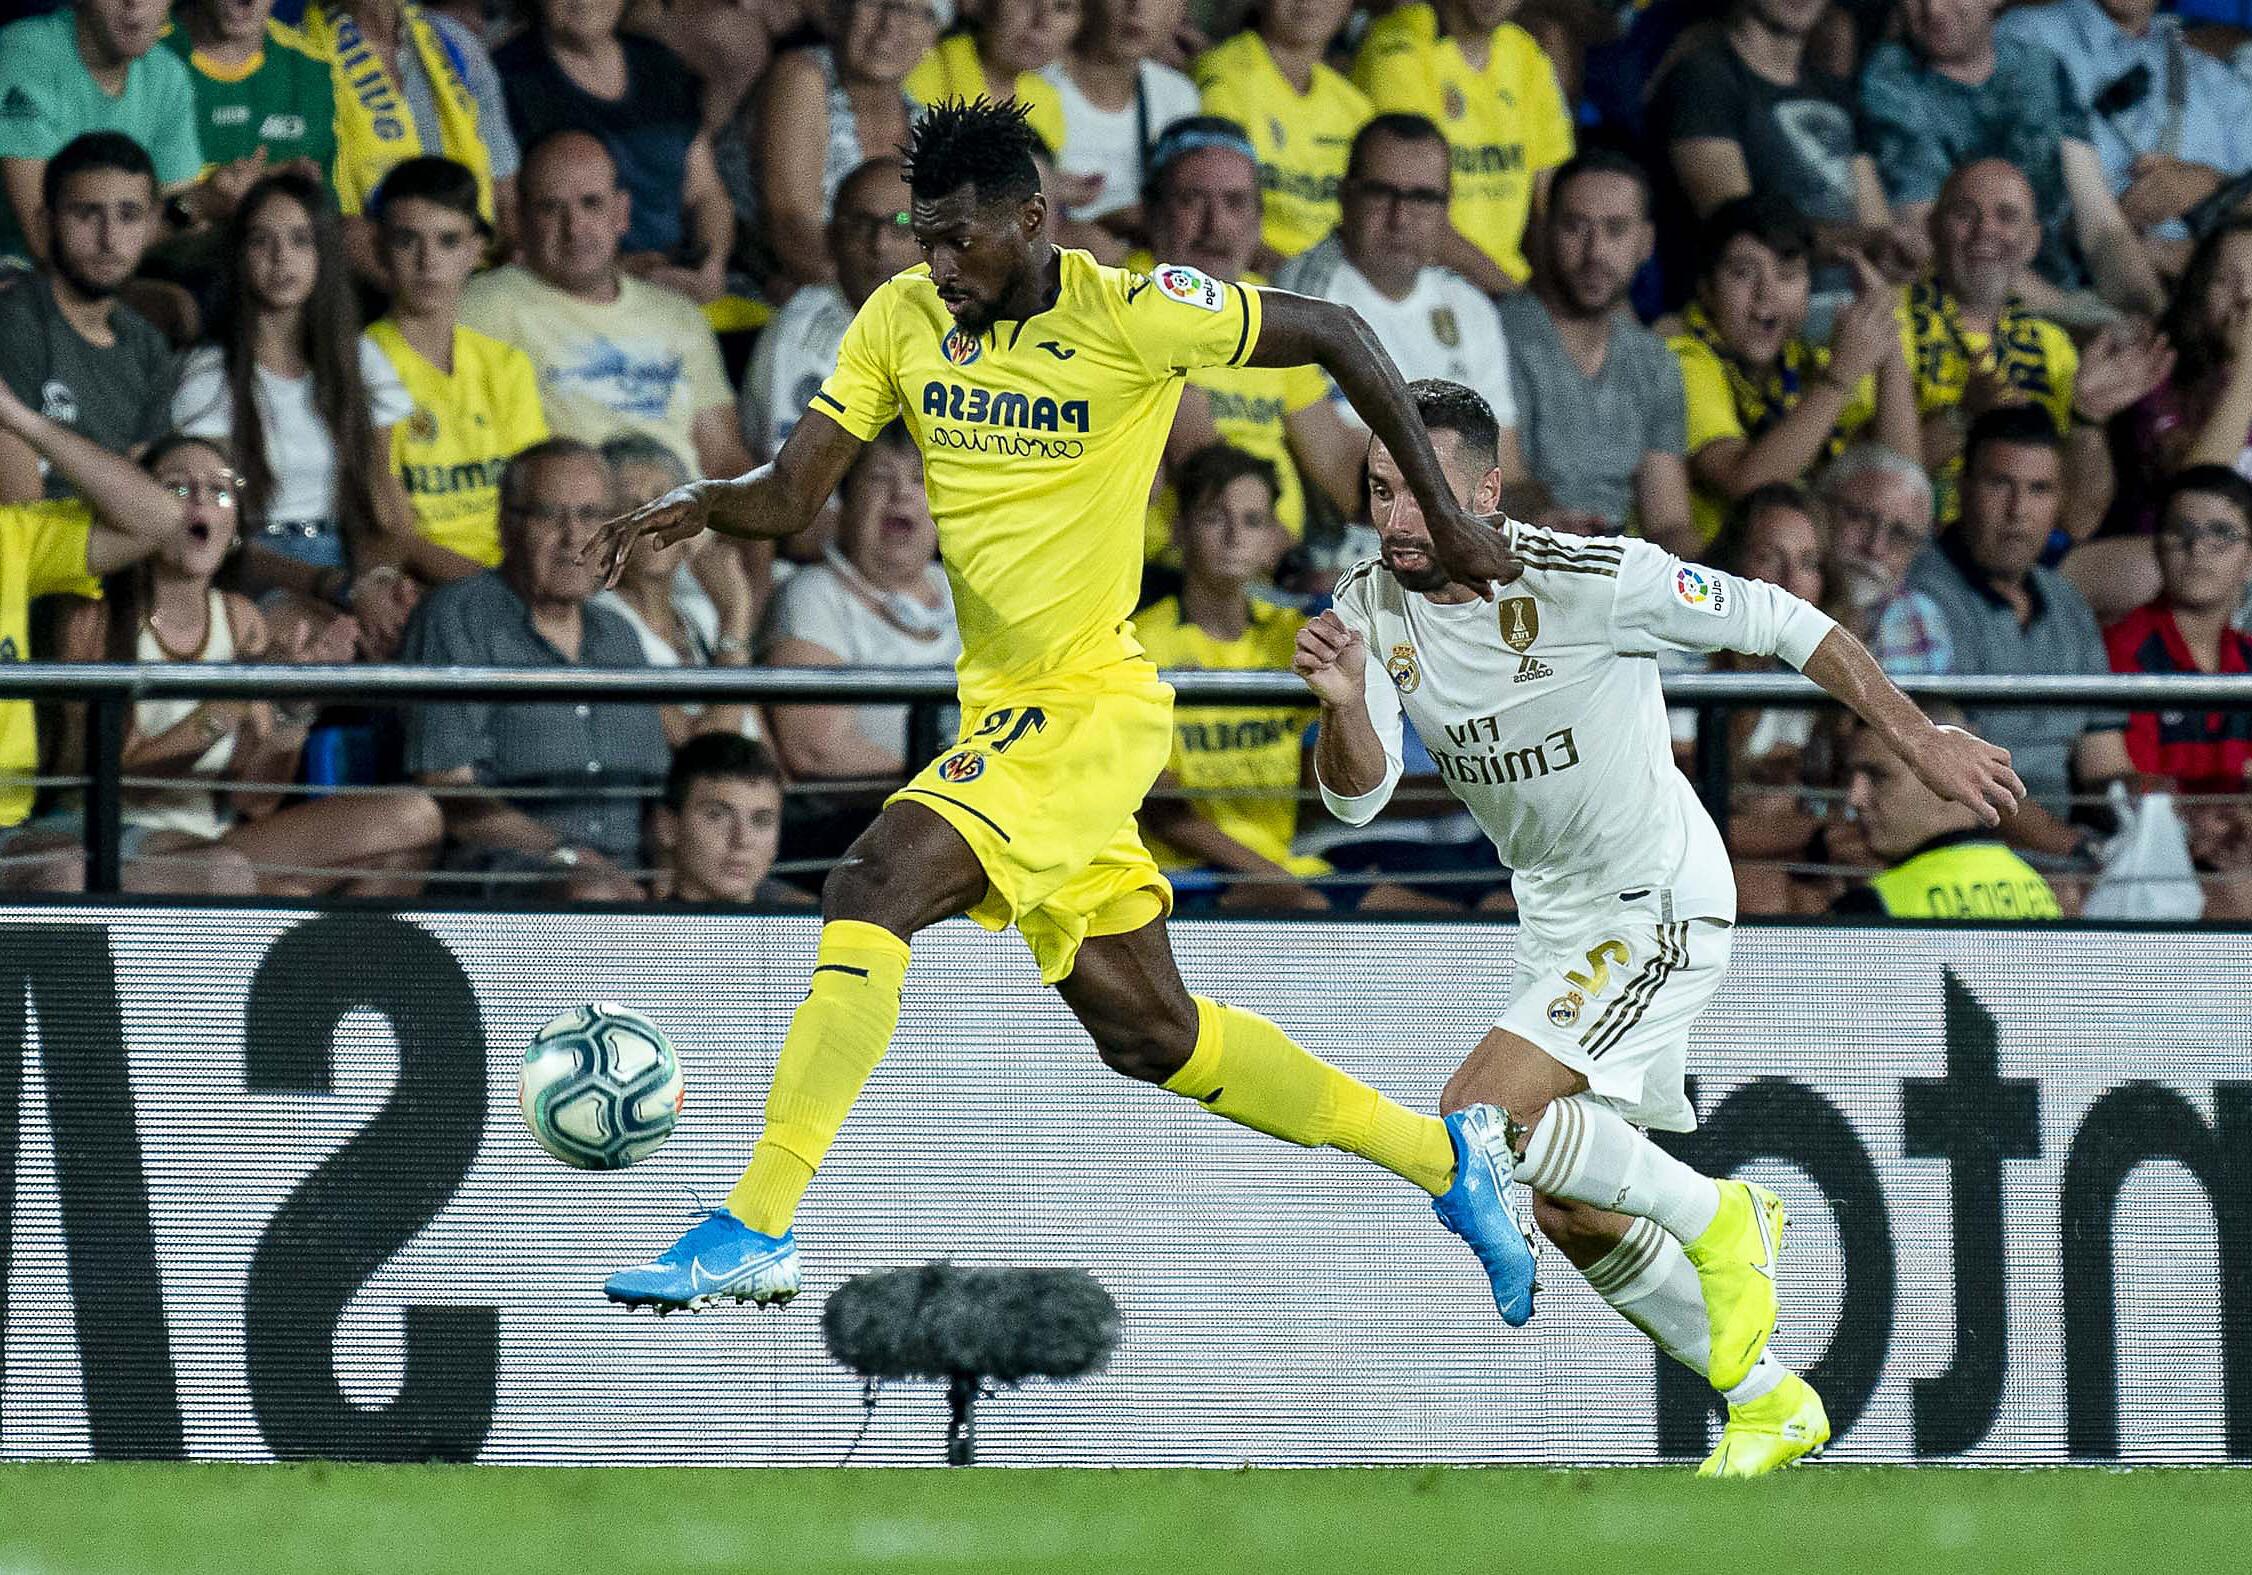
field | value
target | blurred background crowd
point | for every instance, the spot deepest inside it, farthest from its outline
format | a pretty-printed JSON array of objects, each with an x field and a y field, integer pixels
[{"x": 330, "y": 329}]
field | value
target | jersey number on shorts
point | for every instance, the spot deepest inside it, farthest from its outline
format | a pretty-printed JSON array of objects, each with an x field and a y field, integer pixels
[
  {"x": 1031, "y": 718},
  {"x": 1599, "y": 959}
]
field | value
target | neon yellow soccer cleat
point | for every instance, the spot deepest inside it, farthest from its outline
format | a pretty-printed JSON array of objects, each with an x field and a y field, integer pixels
[
  {"x": 1783, "y": 1425},
  {"x": 1735, "y": 1259}
]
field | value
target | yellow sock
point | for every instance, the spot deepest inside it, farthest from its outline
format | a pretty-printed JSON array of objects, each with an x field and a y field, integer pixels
[
  {"x": 1254, "y": 1074},
  {"x": 839, "y": 1033}
]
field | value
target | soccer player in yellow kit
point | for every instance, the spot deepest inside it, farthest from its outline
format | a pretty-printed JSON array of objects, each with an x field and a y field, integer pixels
[{"x": 1040, "y": 387}]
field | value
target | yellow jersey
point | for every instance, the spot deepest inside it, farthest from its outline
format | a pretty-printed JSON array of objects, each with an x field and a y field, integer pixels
[
  {"x": 1249, "y": 757},
  {"x": 1039, "y": 438},
  {"x": 952, "y": 70},
  {"x": 2029, "y": 354},
  {"x": 1503, "y": 125},
  {"x": 1301, "y": 138},
  {"x": 1723, "y": 403},
  {"x": 42, "y": 553},
  {"x": 464, "y": 428}
]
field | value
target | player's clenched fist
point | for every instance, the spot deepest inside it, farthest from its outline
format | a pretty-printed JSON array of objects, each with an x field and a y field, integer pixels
[{"x": 1332, "y": 659}]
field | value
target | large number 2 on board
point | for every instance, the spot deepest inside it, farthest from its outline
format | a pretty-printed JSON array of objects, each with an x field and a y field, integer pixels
[
  {"x": 1599, "y": 960},
  {"x": 1031, "y": 717}
]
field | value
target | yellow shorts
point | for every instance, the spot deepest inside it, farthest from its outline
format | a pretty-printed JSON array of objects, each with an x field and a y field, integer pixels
[{"x": 1043, "y": 787}]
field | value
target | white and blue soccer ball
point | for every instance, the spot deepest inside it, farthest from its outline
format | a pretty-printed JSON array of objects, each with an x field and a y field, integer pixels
[{"x": 600, "y": 1087}]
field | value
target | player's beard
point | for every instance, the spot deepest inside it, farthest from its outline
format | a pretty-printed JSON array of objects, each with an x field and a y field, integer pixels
[
  {"x": 1430, "y": 576},
  {"x": 982, "y": 315}
]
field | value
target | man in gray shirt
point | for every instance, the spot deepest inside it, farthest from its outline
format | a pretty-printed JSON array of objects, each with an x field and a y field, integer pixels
[
  {"x": 533, "y": 612},
  {"x": 1601, "y": 414},
  {"x": 2006, "y": 614},
  {"x": 69, "y": 348}
]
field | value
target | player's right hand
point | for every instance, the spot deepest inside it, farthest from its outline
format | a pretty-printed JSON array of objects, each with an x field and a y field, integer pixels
[
  {"x": 675, "y": 516},
  {"x": 1332, "y": 659}
]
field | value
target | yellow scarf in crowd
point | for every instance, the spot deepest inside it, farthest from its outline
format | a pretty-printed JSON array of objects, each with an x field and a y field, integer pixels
[{"x": 373, "y": 128}]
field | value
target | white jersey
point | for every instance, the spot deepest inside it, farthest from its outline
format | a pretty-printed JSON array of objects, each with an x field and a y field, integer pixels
[{"x": 1543, "y": 712}]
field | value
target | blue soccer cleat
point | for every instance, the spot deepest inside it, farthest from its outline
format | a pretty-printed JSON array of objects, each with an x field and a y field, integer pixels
[
  {"x": 1476, "y": 1208},
  {"x": 720, "y": 1258}
]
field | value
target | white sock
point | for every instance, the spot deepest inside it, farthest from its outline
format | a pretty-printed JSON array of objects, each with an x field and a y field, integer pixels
[
  {"x": 1586, "y": 1152},
  {"x": 1649, "y": 1282}
]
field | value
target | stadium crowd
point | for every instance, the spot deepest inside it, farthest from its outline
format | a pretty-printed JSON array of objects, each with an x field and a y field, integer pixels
[{"x": 331, "y": 335}]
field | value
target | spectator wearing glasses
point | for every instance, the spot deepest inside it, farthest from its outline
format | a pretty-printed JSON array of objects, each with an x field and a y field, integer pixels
[
  {"x": 69, "y": 347},
  {"x": 1118, "y": 98},
  {"x": 1952, "y": 92},
  {"x": 574, "y": 69},
  {"x": 1301, "y": 116},
  {"x": 1879, "y": 507},
  {"x": 716, "y": 831},
  {"x": 1383, "y": 261},
  {"x": 168, "y": 608},
  {"x": 998, "y": 53},
  {"x": 574, "y": 826},
  {"x": 1764, "y": 406},
  {"x": 2170, "y": 123},
  {"x": 827, "y": 110},
  {"x": 1466, "y": 67}
]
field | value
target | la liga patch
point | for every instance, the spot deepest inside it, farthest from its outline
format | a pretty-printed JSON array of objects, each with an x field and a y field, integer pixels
[
  {"x": 1190, "y": 287},
  {"x": 1701, "y": 589}
]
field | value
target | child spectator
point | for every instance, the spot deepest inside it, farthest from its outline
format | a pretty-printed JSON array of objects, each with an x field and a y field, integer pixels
[
  {"x": 829, "y": 109},
  {"x": 998, "y": 53},
  {"x": 92, "y": 66},
  {"x": 685, "y": 615},
  {"x": 168, "y": 609},
  {"x": 262, "y": 99},
  {"x": 715, "y": 832},
  {"x": 306, "y": 404},
  {"x": 407, "y": 82},
  {"x": 877, "y": 599},
  {"x": 1301, "y": 116},
  {"x": 1249, "y": 760},
  {"x": 1478, "y": 76},
  {"x": 69, "y": 346},
  {"x": 1763, "y": 405},
  {"x": 575, "y": 70},
  {"x": 475, "y": 401},
  {"x": 1118, "y": 98}
]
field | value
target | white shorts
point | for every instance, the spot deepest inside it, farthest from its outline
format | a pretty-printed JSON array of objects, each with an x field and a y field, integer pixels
[{"x": 1616, "y": 1006}]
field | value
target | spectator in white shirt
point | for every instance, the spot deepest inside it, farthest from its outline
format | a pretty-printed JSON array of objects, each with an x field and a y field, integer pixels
[
  {"x": 1382, "y": 260},
  {"x": 1117, "y": 100}
]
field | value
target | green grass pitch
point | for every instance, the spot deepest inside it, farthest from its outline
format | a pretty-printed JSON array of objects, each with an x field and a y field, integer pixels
[{"x": 180, "y": 1520}]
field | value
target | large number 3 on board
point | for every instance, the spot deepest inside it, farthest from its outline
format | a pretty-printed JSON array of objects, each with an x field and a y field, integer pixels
[{"x": 1599, "y": 959}]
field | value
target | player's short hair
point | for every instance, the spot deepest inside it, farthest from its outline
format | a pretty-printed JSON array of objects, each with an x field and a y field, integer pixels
[
  {"x": 91, "y": 152},
  {"x": 1601, "y": 161},
  {"x": 1214, "y": 468},
  {"x": 1193, "y": 134},
  {"x": 975, "y": 143},
  {"x": 2215, "y": 481},
  {"x": 1454, "y": 407},
  {"x": 2017, "y": 426},
  {"x": 443, "y": 183},
  {"x": 516, "y": 479},
  {"x": 1400, "y": 126},
  {"x": 1775, "y": 225},
  {"x": 726, "y": 757}
]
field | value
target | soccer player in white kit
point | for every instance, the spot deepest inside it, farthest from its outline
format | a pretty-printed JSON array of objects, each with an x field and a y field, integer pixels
[{"x": 1541, "y": 705}]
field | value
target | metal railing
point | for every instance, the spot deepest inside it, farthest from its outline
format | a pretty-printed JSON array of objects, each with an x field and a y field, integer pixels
[{"x": 109, "y": 690}]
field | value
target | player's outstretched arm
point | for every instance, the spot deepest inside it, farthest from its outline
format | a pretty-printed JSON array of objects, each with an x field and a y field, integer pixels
[
  {"x": 1295, "y": 330},
  {"x": 779, "y": 498},
  {"x": 1958, "y": 766}
]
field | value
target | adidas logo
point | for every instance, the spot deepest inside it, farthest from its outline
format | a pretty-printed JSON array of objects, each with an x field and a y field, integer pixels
[{"x": 1531, "y": 668}]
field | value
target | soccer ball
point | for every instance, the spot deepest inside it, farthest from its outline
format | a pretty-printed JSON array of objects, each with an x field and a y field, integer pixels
[{"x": 600, "y": 1087}]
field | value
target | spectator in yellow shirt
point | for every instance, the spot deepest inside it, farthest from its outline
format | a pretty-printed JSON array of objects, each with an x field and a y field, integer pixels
[
  {"x": 1002, "y": 42},
  {"x": 1228, "y": 799},
  {"x": 1300, "y": 114},
  {"x": 1765, "y": 406},
  {"x": 1479, "y": 77}
]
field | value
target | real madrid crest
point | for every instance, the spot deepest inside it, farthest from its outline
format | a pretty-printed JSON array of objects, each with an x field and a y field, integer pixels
[
  {"x": 1565, "y": 1009},
  {"x": 1405, "y": 674}
]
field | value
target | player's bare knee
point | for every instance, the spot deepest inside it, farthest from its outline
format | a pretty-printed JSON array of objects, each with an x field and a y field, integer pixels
[
  {"x": 1148, "y": 1047},
  {"x": 1572, "y": 1226}
]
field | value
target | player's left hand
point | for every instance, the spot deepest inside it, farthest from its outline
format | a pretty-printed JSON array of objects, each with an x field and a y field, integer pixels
[
  {"x": 1965, "y": 769},
  {"x": 1474, "y": 551}
]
